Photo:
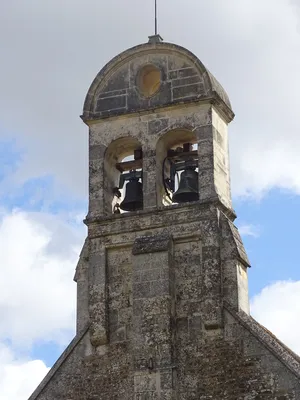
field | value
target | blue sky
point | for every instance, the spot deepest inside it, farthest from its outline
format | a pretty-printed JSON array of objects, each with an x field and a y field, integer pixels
[
  {"x": 273, "y": 253},
  {"x": 50, "y": 53}
]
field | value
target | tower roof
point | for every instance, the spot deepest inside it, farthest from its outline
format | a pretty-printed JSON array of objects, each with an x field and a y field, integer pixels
[{"x": 114, "y": 90}]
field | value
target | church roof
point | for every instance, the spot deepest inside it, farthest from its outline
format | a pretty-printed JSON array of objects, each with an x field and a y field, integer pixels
[{"x": 184, "y": 79}]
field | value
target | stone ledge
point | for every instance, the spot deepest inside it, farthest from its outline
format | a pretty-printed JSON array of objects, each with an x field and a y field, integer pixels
[
  {"x": 151, "y": 244},
  {"x": 239, "y": 244},
  {"x": 232, "y": 242},
  {"x": 203, "y": 205},
  {"x": 91, "y": 117}
]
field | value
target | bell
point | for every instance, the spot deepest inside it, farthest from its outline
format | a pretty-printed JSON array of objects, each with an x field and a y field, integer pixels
[
  {"x": 133, "y": 199},
  {"x": 188, "y": 187}
]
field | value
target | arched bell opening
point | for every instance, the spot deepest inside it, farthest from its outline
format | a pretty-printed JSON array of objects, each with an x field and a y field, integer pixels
[
  {"x": 177, "y": 167},
  {"x": 123, "y": 167}
]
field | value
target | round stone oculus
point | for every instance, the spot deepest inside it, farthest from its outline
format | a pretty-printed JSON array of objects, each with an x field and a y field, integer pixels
[{"x": 149, "y": 80}]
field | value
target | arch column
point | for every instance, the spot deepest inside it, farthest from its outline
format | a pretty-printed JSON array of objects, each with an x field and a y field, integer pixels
[
  {"x": 96, "y": 177},
  {"x": 149, "y": 179},
  {"x": 214, "y": 179},
  {"x": 207, "y": 190}
]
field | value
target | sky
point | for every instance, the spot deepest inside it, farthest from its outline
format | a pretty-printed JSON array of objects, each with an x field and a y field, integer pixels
[{"x": 51, "y": 50}]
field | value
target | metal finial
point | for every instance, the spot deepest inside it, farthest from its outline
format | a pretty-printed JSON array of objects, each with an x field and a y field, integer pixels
[
  {"x": 155, "y": 17},
  {"x": 156, "y": 38}
]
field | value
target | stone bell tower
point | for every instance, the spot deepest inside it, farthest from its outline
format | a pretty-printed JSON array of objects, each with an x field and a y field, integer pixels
[{"x": 162, "y": 306}]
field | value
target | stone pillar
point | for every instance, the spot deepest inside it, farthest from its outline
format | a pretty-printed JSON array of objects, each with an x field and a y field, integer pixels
[
  {"x": 96, "y": 178},
  {"x": 207, "y": 190},
  {"x": 153, "y": 318},
  {"x": 211, "y": 273},
  {"x": 98, "y": 293},
  {"x": 214, "y": 179},
  {"x": 81, "y": 278},
  {"x": 149, "y": 179},
  {"x": 221, "y": 158}
]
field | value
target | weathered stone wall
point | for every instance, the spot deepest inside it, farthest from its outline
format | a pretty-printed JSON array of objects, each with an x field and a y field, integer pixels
[
  {"x": 165, "y": 332},
  {"x": 120, "y": 282},
  {"x": 86, "y": 374},
  {"x": 179, "y": 80}
]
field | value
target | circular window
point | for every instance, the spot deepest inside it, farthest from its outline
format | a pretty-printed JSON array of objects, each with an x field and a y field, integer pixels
[{"x": 149, "y": 80}]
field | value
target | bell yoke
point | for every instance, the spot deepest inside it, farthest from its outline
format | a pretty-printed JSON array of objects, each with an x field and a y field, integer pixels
[{"x": 183, "y": 160}]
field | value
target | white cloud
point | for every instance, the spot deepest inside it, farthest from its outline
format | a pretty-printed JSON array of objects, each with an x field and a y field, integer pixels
[
  {"x": 37, "y": 293},
  {"x": 18, "y": 377},
  {"x": 277, "y": 307},
  {"x": 249, "y": 230},
  {"x": 39, "y": 253},
  {"x": 51, "y": 52}
]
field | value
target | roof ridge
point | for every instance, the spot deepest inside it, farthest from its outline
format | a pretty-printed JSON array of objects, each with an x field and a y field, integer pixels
[
  {"x": 59, "y": 363},
  {"x": 282, "y": 352}
]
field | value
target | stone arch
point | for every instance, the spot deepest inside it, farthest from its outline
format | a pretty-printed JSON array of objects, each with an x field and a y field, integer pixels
[
  {"x": 179, "y": 125},
  {"x": 171, "y": 139},
  {"x": 116, "y": 152}
]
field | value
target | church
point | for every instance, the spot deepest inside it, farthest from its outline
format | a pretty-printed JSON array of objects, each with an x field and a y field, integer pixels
[{"x": 162, "y": 284}]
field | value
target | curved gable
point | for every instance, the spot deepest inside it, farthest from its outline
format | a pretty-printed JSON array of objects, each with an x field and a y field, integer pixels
[{"x": 183, "y": 78}]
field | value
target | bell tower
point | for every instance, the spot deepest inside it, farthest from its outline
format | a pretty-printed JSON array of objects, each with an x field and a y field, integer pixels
[
  {"x": 162, "y": 304},
  {"x": 158, "y": 123}
]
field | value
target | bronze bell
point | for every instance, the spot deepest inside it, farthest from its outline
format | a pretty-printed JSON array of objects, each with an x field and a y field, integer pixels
[
  {"x": 133, "y": 199},
  {"x": 188, "y": 187}
]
